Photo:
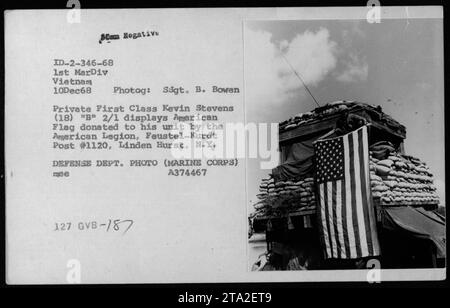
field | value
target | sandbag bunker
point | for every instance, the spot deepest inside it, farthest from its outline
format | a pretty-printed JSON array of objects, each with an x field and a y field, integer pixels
[
  {"x": 399, "y": 179},
  {"x": 285, "y": 195},
  {"x": 395, "y": 179},
  {"x": 391, "y": 213}
]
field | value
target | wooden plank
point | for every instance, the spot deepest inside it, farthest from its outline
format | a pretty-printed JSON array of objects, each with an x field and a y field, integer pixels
[
  {"x": 329, "y": 122},
  {"x": 300, "y": 213},
  {"x": 387, "y": 129},
  {"x": 307, "y": 129}
]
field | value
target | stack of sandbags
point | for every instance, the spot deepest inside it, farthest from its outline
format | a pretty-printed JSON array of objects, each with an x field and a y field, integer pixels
[
  {"x": 266, "y": 188},
  {"x": 306, "y": 117},
  {"x": 305, "y": 193},
  {"x": 261, "y": 209},
  {"x": 285, "y": 188},
  {"x": 299, "y": 119},
  {"x": 381, "y": 150},
  {"x": 400, "y": 180},
  {"x": 290, "y": 193}
]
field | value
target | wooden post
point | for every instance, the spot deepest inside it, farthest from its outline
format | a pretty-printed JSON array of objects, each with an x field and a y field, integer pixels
[
  {"x": 402, "y": 148},
  {"x": 433, "y": 254}
]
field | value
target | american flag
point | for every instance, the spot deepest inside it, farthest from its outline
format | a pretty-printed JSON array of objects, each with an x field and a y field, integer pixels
[{"x": 346, "y": 210}]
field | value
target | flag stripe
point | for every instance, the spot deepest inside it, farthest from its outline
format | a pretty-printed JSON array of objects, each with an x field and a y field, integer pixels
[
  {"x": 340, "y": 231},
  {"x": 348, "y": 198},
  {"x": 321, "y": 217},
  {"x": 334, "y": 205},
  {"x": 358, "y": 194},
  {"x": 353, "y": 194},
  {"x": 371, "y": 209},
  {"x": 344, "y": 220},
  {"x": 329, "y": 220},
  {"x": 364, "y": 189},
  {"x": 331, "y": 217},
  {"x": 324, "y": 221}
]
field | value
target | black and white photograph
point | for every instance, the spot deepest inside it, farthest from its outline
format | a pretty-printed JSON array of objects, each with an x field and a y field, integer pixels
[
  {"x": 360, "y": 107},
  {"x": 224, "y": 146}
]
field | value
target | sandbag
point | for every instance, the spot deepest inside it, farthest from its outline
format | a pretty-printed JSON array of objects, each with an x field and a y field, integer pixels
[{"x": 382, "y": 170}]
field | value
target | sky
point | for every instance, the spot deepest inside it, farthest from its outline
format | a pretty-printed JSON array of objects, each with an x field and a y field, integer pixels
[{"x": 397, "y": 64}]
